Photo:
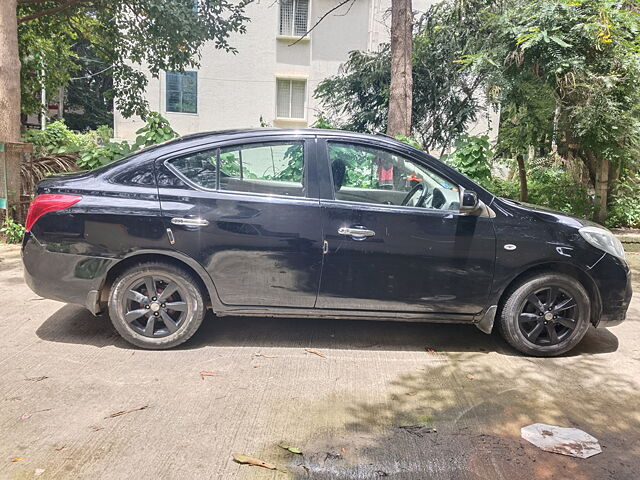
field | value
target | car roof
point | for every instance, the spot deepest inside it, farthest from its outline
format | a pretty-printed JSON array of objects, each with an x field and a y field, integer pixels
[{"x": 222, "y": 135}]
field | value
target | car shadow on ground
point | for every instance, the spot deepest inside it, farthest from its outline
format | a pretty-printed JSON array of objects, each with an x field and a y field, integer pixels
[{"x": 74, "y": 324}]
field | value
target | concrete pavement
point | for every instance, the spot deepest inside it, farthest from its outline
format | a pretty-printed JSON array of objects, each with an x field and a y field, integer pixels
[{"x": 366, "y": 411}]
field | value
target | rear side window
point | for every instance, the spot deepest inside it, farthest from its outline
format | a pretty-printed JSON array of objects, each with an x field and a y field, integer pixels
[
  {"x": 198, "y": 167},
  {"x": 273, "y": 168},
  {"x": 270, "y": 168}
]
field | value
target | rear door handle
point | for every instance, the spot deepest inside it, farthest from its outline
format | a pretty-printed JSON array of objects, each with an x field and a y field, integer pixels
[
  {"x": 357, "y": 233},
  {"x": 190, "y": 222}
]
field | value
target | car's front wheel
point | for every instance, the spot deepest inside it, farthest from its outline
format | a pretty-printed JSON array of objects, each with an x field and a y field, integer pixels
[
  {"x": 156, "y": 305},
  {"x": 545, "y": 315}
]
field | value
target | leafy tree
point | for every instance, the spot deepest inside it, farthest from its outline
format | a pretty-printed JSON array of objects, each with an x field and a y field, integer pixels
[
  {"x": 127, "y": 35},
  {"x": 585, "y": 55},
  {"x": 445, "y": 96}
]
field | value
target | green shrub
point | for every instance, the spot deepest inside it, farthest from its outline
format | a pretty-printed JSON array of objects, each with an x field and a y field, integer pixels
[
  {"x": 472, "y": 157},
  {"x": 624, "y": 209},
  {"x": 12, "y": 231}
]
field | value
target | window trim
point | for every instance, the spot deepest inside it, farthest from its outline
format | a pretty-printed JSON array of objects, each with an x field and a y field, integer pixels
[
  {"x": 166, "y": 93},
  {"x": 328, "y": 140},
  {"x": 292, "y": 78},
  {"x": 306, "y": 145},
  {"x": 292, "y": 36}
]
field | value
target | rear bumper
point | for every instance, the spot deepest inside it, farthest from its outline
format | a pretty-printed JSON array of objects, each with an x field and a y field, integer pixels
[
  {"x": 66, "y": 277},
  {"x": 613, "y": 279}
]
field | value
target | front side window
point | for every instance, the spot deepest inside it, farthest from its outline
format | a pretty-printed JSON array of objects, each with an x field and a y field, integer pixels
[
  {"x": 371, "y": 175},
  {"x": 274, "y": 168},
  {"x": 290, "y": 98},
  {"x": 294, "y": 17},
  {"x": 182, "y": 92}
]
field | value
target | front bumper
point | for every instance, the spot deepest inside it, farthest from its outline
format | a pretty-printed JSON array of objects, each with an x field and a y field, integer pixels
[
  {"x": 613, "y": 279},
  {"x": 66, "y": 277}
]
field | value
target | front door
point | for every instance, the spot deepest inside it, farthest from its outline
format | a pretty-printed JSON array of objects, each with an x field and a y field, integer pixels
[
  {"x": 247, "y": 213},
  {"x": 397, "y": 241}
]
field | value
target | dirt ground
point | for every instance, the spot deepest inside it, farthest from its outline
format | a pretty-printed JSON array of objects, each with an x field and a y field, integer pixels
[{"x": 388, "y": 400}]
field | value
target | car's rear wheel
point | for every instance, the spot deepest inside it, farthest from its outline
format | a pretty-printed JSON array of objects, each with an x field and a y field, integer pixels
[
  {"x": 156, "y": 305},
  {"x": 545, "y": 315}
]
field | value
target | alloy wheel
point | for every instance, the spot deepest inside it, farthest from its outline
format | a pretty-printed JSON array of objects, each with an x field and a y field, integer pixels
[
  {"x": 548, "y": 316},
  {"x": 154, "y": 306}
]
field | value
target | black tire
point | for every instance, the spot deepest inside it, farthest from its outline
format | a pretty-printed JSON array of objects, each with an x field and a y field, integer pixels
[
  {"x": 524, "y": 327},
  {"x": 177, "y": 316}
]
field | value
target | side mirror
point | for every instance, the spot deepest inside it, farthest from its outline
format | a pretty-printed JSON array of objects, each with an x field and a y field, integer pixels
[{"x": 469, "y": 202}]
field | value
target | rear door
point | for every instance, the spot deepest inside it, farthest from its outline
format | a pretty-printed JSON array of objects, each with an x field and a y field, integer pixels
[
  {"x": 423, "y": 256},
  {"x": 249, "y": 213}
]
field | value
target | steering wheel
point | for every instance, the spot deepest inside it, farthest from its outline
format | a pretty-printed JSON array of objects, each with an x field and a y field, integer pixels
[{"x": 416, "y": 196}]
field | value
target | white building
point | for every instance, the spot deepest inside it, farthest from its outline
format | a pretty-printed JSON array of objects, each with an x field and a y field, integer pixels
[{"x": 274, "y": 73}]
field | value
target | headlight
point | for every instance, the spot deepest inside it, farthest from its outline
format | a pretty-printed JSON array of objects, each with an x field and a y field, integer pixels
[{"x": 603, "y": 240}]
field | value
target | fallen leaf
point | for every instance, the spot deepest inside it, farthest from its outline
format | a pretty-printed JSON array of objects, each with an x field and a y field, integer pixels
[
  {"x": 291, "y": 449},
  {"x": 264, "y": 355},
  {"x": 124, "y": 412},
  {"x": 430, "y": 350},
  {"x": 24, "y": 416},
  {"x": 257, "y": 366},
  {"x": 17, "y": 459},
  {"x": 38, "y": 472},
  {"x": 59, "y": 448},
  {"x": 207, "y": 373},
  {"x": 95, "y": 428},
  {"x": 412, "y": 394},
  {"x": 315, "y": 352},
  {"x": 470, "y": 377},
  {"x": 247, "y": 460}
]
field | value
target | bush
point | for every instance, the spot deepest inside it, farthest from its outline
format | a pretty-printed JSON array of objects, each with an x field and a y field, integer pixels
[
  {"x": 472, "y": 157},
  {"x": 95, "y": 148},
  {"x": 624, "y": 210},
  {"x": 12, "y": 231}
]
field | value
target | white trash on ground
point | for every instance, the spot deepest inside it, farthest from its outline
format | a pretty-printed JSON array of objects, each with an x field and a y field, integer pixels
[{"x": 565, "y": 441}]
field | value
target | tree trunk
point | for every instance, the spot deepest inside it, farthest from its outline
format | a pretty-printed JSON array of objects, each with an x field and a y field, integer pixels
[
  {"x": 602, "y": 189},
  {"x": 401, "y": 89},
  {"x": 9, "y": 72},
  {"x": 522, "y": 173}
]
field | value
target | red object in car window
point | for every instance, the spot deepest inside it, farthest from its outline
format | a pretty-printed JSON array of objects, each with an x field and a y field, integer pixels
[{"x": 46, "y": 203}]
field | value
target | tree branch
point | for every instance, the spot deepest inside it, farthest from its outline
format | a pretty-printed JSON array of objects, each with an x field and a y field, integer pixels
[
  {"x": 29, "y": 2},
  {"x": 50, "y": 11},
  {"x": 326, "y": 14}
]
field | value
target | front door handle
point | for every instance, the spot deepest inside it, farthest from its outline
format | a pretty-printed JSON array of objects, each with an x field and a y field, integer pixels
[
  {"x": 357, "y": 233},
  {"x": 190, "y": 222}
]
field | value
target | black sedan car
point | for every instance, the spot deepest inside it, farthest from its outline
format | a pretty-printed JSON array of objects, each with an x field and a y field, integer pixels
[{"x": 315, "y": 223}]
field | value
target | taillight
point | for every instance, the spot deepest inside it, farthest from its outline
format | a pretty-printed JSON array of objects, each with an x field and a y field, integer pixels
[{"x": 48, "y": 202}]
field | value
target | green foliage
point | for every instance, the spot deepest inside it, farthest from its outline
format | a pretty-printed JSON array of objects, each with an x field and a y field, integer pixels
[
  {"x": 445, "y": 96},
  {"x": 89, "y": 103},
  {"x": 156, "y": 130},
  {"x": 409, "y": 141},
  {"x": 553, "y": 187},
  {"x": 472, "y": 157},
  {"x": 625, "y": 207},
  {"x": 293, "y": 171},
  {"x": 549, "y": 186},
  {"x": 58, "y": 138},
  {"x": 95, "y": 148},
  {"x": 12, "y": 231},
  {"x": 127, "y": 35}
]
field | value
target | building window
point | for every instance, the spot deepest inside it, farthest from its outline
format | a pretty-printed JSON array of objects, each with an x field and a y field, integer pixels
[
  {"x": 182, "y": 92},
  {"x": 290, "y": 98},
  {"x": 294, "y": 17}
]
